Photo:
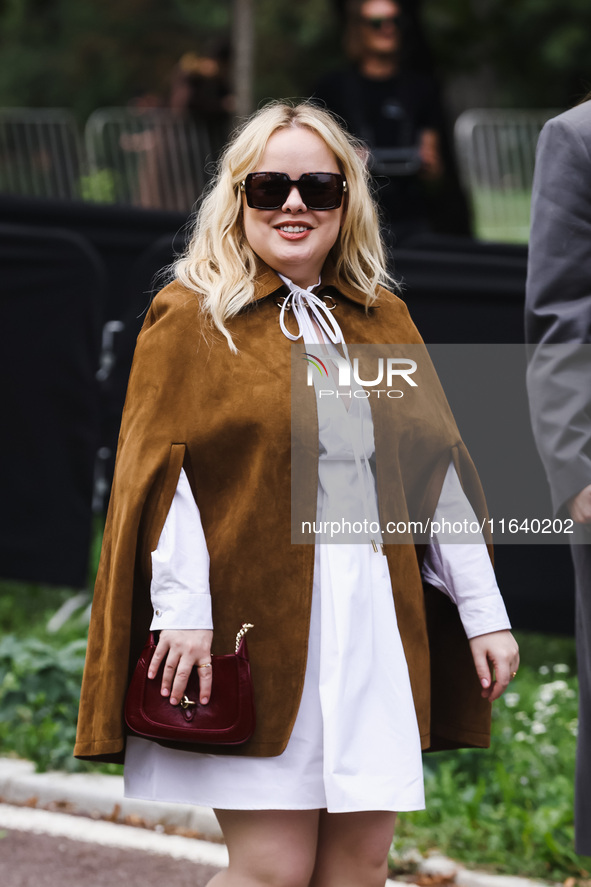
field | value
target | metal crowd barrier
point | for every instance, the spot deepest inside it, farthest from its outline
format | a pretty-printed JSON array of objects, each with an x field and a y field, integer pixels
[
  {"x": 157, "y": 158},
  {"x": 153, "y": 158},
  {"x": 496, "y": 154},
  {"x": 41, "y": 153}
]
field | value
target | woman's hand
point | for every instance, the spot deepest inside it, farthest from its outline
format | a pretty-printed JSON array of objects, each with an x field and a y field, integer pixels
[
  {"x": 580, "y": 506},
  {"x": 497, "y": 649},
  {"x": 182, "y": 649}
]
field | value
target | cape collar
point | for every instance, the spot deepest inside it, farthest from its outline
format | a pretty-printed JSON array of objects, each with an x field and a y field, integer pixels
[{"x": 268, "y": 282}]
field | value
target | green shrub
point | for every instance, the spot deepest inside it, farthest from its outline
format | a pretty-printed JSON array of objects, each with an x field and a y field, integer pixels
[
  {"x": 40, "y": 675},
  {"x": 39, "y": 694},
  {"x": 39, "y": 688},
  {"x": 98, "y": 187},
  {"x": 511, "y": 806}
]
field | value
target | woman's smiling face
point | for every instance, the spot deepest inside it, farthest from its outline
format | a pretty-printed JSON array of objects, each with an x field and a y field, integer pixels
[{"x": 293, "y": 239}]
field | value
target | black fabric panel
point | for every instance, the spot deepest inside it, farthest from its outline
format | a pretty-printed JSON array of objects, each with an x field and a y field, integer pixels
[
  {"x": 53, "y": 290},
  {"x": 464, "y": 291},
  {"x": 133, "y": 244},
  {"x": 120, "y": 234}
]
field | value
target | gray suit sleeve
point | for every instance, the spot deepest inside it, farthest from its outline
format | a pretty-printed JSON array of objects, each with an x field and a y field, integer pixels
[{"x": 558, "y": 303}]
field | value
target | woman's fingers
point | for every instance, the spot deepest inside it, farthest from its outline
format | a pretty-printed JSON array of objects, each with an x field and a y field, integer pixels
[
  {"x": 205, "y": 672},
  {"x": 498, "y": 651},
  {"x": 482, "y": 667},
  {"x": 502, "y": 678},
  {"x": 159, "y": 654},
  {"x": 181, "y": 650}
]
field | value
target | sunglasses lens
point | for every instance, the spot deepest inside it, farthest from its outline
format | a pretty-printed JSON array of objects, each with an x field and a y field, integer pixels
[
  {"x": 321, "y": 190},
  {"x": 269, "y": 190},
  {"x": 266, "y": 190}
]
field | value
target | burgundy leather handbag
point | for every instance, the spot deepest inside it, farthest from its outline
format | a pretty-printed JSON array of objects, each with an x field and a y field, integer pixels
[{"x": 227, "y": 719}]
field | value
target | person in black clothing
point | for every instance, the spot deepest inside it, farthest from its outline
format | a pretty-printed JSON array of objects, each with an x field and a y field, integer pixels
[{"x": 393, "y": 108}]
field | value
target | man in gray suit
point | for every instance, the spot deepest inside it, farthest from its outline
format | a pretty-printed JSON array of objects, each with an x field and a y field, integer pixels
[{"x": 558, "y": 319}]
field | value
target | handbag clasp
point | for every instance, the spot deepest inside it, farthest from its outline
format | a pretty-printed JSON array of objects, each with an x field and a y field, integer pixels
[{"x": 186, "y": 702}]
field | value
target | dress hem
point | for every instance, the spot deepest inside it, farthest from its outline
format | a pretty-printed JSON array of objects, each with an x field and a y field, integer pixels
[{"x": 403, "y": 808}]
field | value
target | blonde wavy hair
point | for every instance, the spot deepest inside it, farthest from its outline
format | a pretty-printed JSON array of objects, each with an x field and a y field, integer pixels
[{"x": 219, "y": 263}]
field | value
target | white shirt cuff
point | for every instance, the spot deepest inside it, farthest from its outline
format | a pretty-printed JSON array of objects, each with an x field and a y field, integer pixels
[
  {"x": 182, "y": 609},
  {"x": 483, "y": 615},
  {"x": 463, "y": 570}
]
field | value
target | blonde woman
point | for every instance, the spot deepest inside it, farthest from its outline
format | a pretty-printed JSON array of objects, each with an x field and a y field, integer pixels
[{"x": 355, "y": 667}]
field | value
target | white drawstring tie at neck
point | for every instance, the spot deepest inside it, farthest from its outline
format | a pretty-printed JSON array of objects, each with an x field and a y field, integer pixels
[{"x": 299, "y": 300}]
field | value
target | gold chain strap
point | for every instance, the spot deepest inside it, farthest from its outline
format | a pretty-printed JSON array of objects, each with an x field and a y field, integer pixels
[{"x": 241, "y": 633}]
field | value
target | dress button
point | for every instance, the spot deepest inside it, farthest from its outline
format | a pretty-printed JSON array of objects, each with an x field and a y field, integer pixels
[{"x": 158, "y": 612}]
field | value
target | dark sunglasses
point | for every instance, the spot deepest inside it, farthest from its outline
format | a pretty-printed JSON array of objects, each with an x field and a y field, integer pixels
[
  {"x": 378, "y": 23},
  {"x": 270, "y": 190}
]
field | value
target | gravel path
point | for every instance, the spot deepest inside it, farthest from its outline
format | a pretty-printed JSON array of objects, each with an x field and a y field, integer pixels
[{"x": 35, "y": 860}]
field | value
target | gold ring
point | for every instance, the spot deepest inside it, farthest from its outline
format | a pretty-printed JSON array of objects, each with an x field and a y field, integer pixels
[
  {"x": 513, "y": 674},
  {"x": 205, "y": 665}
]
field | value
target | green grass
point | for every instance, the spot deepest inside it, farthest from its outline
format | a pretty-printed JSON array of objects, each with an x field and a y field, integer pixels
[{"x": 501, "y": 214}]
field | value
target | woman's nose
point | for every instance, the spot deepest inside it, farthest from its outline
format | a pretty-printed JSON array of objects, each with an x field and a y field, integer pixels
[{"x": 293, "y": 202}]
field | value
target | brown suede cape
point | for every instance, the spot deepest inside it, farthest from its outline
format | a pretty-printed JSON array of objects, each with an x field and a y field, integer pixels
[{"x": 226, "y": 418}]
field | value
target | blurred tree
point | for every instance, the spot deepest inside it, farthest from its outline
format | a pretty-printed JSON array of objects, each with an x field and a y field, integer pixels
[
  {"x": 535, "y": 52},
  {"x": 295, "y": 42},
  {"x": 98, "y": 52},
  {"x": 103, "y": 52}
]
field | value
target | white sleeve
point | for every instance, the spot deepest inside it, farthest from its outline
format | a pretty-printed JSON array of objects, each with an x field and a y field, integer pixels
[
  {"x": 463, "y": 570},
  {"x": 180, "y": 567}
]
